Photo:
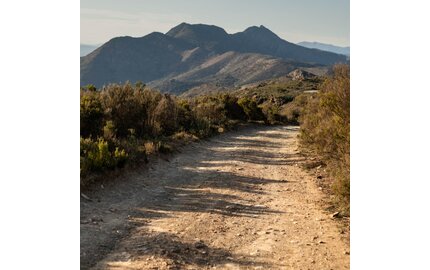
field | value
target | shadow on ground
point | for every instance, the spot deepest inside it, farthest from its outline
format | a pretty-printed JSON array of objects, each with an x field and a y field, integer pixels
[{"x": 182, "y": 187}]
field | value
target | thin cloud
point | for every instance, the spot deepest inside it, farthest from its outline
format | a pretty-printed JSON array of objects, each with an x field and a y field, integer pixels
[{"x": 110, "y": 24}]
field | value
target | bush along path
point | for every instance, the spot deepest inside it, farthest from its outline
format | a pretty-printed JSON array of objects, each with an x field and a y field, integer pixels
[{"x": 237, "y": 201}]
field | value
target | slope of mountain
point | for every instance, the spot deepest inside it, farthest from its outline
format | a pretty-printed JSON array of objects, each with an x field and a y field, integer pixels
[
  {"x": 325, "y": 47},
  {"x": 87, "y": 49},
  {"x": 227, "y": 70},
  {"x": 189, "y": 55},
  {"x": 134, "y": 59}
]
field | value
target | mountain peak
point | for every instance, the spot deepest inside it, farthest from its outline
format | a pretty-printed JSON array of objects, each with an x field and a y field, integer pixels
[
  {"x": 202, "y": 35},
  {"x": 186, "y": 29},
  {"x": 260, "y": 32}
]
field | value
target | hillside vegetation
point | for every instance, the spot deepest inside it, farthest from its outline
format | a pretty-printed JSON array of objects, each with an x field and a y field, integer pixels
[
  {"x": 325, "y": 129},
  {"x": 123, "y": 124}
]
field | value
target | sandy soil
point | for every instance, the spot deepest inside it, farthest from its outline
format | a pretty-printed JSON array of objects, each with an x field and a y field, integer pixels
[{"x": 237, "y": 201}]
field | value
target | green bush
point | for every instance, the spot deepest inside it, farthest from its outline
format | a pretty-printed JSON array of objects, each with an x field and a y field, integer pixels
[
  {"x": 186, "y": 117},
  {"x": 251, "y": 109},
  {"x": 96, "y": 156},
  {"x": 122, "y": 107},
  {"x": 210, "y": 109},
  {"x": 165, "y": 116},
  {"x": 109, "y": 130},
  {"x": 148, "y": 101},
  {"x": 91, "y": 114},
  {"x": 231, "y": 107},
  {"x": 271, "y": 113}
]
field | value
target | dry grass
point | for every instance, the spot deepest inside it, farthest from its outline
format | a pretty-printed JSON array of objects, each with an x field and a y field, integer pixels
[{"x": 325, "y": 129}]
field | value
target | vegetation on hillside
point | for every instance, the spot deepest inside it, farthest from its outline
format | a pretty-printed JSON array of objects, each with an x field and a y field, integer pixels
[
  {"x": 325, "y": 129},
  {"x": 122, "y": 124},
  {"x": 282, "y": 100}
]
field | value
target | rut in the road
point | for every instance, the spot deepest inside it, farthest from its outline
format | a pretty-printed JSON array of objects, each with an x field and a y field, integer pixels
[{"x": 237, "y": 201}]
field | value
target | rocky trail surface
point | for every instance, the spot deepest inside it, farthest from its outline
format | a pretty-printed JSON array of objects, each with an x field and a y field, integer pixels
[{"x": 237, "y": 201}]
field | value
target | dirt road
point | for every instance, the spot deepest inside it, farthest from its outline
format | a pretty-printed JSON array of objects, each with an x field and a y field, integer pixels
[{"x": 237, "y": 201}]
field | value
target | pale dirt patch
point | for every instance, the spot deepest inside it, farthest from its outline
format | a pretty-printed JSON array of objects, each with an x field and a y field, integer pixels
[{"x": 237, "y": 201}]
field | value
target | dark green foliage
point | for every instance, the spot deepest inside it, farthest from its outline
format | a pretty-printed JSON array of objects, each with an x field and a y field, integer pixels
[
  {"x": 165, "y": 116},
  {"x": 210, "y": 109},
  {"x": 231, "y": 107},
  {"x": 122, "y": 108},
  {"x": 96, "y": 156},
  {"x": 271, "y": 113},
  {"x": 186, "y": 117},
  {"x": 91, "y": 114},
  {"x": 252, "y": 111}
]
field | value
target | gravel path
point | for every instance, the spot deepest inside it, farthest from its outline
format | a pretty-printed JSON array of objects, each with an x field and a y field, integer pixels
[{"x": 237, "y": 201}]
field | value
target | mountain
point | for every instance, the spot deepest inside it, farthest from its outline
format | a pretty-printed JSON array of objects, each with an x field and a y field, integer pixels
[
  {"x": 86, "y": 49},
  {"x": 325, "y": 47},
  {"x": 228, "y": 69},
  {"x": 191, "y": 55}
]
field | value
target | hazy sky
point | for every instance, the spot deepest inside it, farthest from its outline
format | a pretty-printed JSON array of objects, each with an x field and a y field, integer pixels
[{"x": 325, "y": 21}]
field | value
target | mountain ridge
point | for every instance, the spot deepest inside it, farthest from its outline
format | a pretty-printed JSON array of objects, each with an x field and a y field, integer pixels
[
  {"x": 169, "y": 60},
  {"x": 325, "y": 47}
]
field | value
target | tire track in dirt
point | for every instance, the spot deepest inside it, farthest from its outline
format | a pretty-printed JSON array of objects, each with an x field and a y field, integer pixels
[{"x": 237, "y": 201}]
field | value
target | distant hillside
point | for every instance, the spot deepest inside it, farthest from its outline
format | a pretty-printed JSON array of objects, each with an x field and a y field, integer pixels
[
  {"x": 227, "y": 70},
  {"x": 296, "y": 81},
  {"x": 86, "y": 49},
  {"x": 191, "y": 55},
  {"x": 325, "y": 47}
]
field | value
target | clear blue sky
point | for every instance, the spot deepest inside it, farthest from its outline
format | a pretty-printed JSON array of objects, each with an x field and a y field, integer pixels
[{"x": 325, "y": 21}]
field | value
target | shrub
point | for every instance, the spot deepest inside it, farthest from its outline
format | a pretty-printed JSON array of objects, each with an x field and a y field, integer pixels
[
  {"x": 252, "y": 111},
  {"x": 120, "y": 123},
  {"x": 186, "y": 117},
  {"x": 165, "y": 116},
  {"x": 209, "y": 109},
  {"x": 109, "y": 130},
  {"x": 292, "y": 111},
  {"x": 133, "y": 146},
  {"x": 231, "y": 107},
  {"x": 202, "y": 128},
  {"x": 147, "y": 100},
  {"x": 96, "y": 156},
  {"x": 325, "y": 127},
  {"x": 122, "y": 107},
  {"x": 271, "y": 113},
  {"x": 91, "y": 114}
]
